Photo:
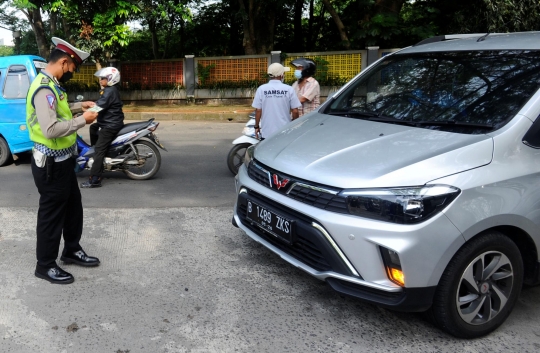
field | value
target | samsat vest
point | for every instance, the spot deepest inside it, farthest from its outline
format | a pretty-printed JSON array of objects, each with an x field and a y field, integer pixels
[{"x": 63, "y": 113}]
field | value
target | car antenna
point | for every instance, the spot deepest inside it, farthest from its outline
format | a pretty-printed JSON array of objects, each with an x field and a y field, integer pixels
[{"x": 483, "y": 38}]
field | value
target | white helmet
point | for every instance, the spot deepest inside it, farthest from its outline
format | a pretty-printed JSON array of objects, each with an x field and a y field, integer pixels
[{"x": 110, "y": 73}]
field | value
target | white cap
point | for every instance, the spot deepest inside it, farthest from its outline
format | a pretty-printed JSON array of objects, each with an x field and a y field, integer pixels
[
  {"x": 76, "y": 54},
  {"x": 276, "y": 70}
]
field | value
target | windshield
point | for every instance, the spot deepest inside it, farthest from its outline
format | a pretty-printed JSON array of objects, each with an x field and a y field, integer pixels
[{"x": 466, "y": 92}]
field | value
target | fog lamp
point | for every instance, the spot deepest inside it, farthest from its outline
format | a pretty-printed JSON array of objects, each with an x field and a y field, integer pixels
[{"x": 393, "y": 266}]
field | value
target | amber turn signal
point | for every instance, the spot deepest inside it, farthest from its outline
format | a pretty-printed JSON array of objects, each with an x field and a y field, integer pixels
[
  {"x": 396, "y": 276},
  {"x": 393, "y": 266}
]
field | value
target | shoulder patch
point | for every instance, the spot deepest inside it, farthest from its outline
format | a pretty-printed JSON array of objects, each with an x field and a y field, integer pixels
[
  {"x": 51, "y": 99},
  {"x": 45, "y": 80}
]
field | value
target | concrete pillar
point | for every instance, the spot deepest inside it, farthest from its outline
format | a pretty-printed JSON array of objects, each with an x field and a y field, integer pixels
[
  {"x": 189, "y": 76},
  {"x": 372, "y": 55},
  {"x": 275, "y": 57}
]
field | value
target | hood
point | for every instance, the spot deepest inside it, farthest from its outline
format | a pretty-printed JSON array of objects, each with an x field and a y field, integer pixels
[{"x": 353, "y": 153}]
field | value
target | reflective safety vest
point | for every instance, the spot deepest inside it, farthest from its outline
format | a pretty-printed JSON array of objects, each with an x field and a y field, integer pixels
[{"x": 63, "y": 113}]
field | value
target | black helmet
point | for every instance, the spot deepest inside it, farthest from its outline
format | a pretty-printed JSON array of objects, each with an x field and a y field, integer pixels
[{"x": 308, "y": 65}]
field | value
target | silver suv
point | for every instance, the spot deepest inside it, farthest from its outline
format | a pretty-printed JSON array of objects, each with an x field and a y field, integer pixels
[{"x": 417, "y": 185}]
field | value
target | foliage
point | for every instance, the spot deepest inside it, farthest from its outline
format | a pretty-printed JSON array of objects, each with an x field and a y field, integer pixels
[
  {"x": 203, "y": 72},
  {"x": 6, "y": 50},
  {"x": 76, "y": 86},
  {"x": 223, "y": 85},
  {"x": 102, "y": 27},
  {"x": 163, "y": 18}
]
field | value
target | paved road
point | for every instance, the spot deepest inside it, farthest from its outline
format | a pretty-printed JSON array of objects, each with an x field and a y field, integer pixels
[
  {"x": 177, "y": 277},
  {"x": 193, "y": 173}
]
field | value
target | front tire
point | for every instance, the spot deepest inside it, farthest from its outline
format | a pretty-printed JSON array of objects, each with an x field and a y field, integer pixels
[
  {"x": 479, "y": 287},
  {"x": 148, "y": 163},
  {"x": 236, "y": 155},
  {"x": 5, "y": 153}
]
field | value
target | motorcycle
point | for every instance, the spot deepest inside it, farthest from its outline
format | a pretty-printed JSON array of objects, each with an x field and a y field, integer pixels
[
  {"x": 134, "y": 152},
  {"x": 235, "y": 158}
]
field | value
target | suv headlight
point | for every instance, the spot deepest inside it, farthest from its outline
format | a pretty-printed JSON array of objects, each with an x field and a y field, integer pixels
[
  {"x": 249, "y": 155},
  {"x": 400, "y": 205}
]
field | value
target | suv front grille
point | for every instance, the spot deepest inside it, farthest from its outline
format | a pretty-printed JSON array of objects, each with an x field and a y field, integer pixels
[
  {"x": 303, "y": 249},
  {"x": 309, "y": 245},
  {"x": 318, "y": 196}
]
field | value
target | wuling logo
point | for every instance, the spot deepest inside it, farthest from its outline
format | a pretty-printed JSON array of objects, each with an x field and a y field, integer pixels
[{"x": 279, "y": 184}]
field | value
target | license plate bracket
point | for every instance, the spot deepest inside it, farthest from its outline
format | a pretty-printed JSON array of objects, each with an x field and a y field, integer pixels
[{"x": 270, "y": 221}]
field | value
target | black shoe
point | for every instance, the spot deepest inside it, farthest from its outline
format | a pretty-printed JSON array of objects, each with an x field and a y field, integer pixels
[
  {"x": 79, "y": 258},
  {"x": 54, "y": 275},
  {"x": 93, "y": 182}
]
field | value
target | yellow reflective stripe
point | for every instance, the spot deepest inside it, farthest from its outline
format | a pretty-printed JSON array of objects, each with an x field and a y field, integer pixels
[{"x": 32, "y": 120}]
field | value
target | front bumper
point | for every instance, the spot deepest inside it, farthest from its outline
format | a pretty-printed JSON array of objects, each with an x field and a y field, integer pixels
[
  {"x": 344, "y": 250},
  {"x": 314, "y": 254}
]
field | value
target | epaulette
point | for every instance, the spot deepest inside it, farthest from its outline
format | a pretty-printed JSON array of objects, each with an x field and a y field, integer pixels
[{"x": 45, "y": 80}]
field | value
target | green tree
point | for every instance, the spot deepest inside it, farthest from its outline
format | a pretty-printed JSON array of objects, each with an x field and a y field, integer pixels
[
  {"x": 163, "y": 16},
  {"x": 6, "y": 50},
  {"x": 101, "y": 26}
]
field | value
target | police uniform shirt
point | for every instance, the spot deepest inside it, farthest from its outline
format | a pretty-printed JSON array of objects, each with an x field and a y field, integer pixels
[
  {"x": 276, "y": 100},
  {"x": 45, "y": 104}
]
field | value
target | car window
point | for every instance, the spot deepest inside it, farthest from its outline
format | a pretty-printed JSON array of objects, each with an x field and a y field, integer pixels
[
  {"x": 453, "y": 91},
  {"x": 17, "y": 82}
]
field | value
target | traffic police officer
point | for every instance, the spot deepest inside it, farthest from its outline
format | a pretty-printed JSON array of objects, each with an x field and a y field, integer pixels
[{"x": 52, "y": 127}]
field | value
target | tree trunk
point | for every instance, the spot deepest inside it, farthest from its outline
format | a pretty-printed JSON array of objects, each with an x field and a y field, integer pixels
[
  {"x": 53, "y": 19},
  {"x": 66, "y": 28},
  {"x": 172, "y": 20},
  {"x": 310, "y": 37},
  {"x": 299, "y": 40},
  {"x": 249, "y": 38},
  {"x": 258, "y": 21},
  {"x": 393, "y": 6},
  {"x": 155, "y": 41},
  {"x": 34, "y": 17},
  {"x": 182, "y": 35},
  {"x": 339, "y": 24}
]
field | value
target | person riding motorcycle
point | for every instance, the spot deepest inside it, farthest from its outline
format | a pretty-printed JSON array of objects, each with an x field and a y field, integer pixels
[
  {"x": 109, "y": 122},
  {"x": 307, "y": 88}
]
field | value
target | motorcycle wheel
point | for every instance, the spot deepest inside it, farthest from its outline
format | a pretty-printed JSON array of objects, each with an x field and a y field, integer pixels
[
  {"x": 149, "y": 160},
  {"x": 235, "y": 159}
]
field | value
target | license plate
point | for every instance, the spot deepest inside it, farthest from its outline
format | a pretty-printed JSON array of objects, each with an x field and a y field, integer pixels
[
  {"x": 156, "y": 139},
  {"x": 273, "y": 223}
]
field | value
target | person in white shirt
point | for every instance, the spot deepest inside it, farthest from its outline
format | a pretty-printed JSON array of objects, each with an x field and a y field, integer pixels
[{"x": 276, "y": 103}]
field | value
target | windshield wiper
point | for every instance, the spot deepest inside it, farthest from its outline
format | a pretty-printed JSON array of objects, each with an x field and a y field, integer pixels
[
  {"x": 453, "y": 123},
  {"x": 354, "y": 113},
  {"x": 372, "y": 116}
]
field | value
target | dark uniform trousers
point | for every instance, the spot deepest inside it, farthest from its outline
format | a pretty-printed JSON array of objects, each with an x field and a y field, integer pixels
[
  {"x": 100, "y": 139},
  {"x": 60, "y": 211}
]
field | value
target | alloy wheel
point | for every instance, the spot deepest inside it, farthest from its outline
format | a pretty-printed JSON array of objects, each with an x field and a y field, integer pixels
[{"x": 484, "y": 288}]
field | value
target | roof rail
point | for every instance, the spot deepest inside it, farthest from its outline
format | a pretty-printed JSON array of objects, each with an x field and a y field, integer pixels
[{"x": 451, "y": 37}]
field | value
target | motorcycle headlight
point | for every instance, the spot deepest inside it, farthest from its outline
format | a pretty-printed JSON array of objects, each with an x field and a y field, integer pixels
[
  {"x": 249, "y": 155},
  {"x": 400, "y": 205}
]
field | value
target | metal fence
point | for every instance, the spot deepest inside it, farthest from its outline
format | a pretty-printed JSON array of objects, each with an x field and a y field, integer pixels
[{"x": 169, "y": 74}]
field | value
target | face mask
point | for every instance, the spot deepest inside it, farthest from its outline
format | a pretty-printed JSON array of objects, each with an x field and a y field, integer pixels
[
  {"x": 66, "y": 76},
  {"x": 298, "y": 74}
]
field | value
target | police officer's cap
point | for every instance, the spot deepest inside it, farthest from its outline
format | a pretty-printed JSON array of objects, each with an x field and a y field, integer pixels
[{"x": 77, "y": 55}]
